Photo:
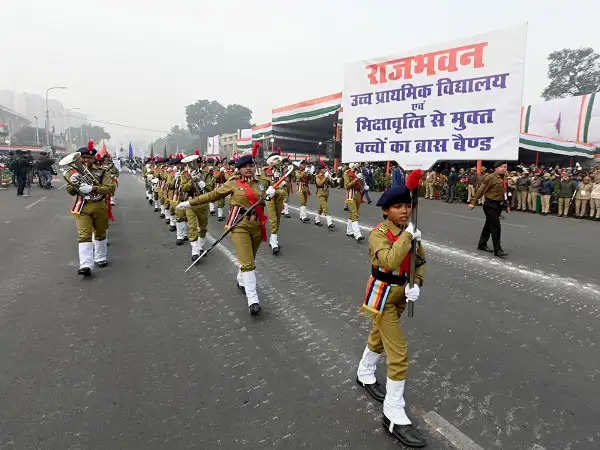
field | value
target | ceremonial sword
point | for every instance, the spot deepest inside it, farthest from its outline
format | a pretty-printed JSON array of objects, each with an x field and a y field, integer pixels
[{"x": 242, "y": 217}]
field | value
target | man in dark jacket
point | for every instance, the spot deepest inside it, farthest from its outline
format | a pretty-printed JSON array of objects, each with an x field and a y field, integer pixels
[
  {"x": 44, "y": 168},
  {"x": 20, "y": 166},
  {"x": 367, "y": 172},
  {"x": 565, "y": 192},
  {"x": 452, "y": 182},
  {"x": 546, "y": 190}
]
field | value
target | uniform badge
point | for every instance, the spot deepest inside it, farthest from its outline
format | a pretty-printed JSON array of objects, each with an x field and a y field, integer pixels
[{"x": 261, "y": 187}]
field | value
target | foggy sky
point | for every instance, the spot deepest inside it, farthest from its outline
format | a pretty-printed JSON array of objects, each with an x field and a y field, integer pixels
[{"x": 141, "y": 62}]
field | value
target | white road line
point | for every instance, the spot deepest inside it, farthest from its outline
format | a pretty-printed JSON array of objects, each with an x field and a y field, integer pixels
[
  {"x": 467, "y": 257},
  {"x": 36, "y": 202},
  {"x": 478, "y": 219},
  {"x": 62, "y": 186},
  {"x": 450, "y": 432}
]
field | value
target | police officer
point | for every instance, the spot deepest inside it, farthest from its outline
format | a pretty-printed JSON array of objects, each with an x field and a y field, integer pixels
[
  {"x": 492, "y": 187},
  {"x": 245, "y": 189},
  {"x": 387, "y": 294}
]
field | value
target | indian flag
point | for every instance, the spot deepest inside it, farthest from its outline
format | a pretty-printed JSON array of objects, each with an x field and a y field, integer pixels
[
  {"x": 262, "y": 131},
  {"x": 307, "y": 110},
  {"x": 244, "y": 144}
]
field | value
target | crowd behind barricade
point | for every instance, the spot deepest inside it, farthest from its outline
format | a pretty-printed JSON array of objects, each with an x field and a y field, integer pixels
[{"x": 23, "y": 170}]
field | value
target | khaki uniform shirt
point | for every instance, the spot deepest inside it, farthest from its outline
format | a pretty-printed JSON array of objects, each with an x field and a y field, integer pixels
[{"x": 492, "y": 187}]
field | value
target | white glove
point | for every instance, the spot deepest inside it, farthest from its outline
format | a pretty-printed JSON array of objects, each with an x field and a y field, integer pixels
[
  {"x": 283, "y": 183},
  {"x": 201, "y": 184},
  {"x": 75, "y": 178},
  {"x": 155, "y": 180},
  {"x": 412, "y": 293},
  {"x": 290, "y": 167},
  {"x": 85, "y": 188},
  {"x": 327, "y": 174},
  {"x": 367, "y": 187},
  {"x": 415, "y": 233},
  {"x": 222, "y": 169},
  {"x": 359, "y": 176},
  {"x": 270, "y": 192},
  {"x": 183, "y": 205}
]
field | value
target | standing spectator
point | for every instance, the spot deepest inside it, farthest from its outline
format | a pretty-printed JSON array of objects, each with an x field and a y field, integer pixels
[
  {"x": 430, "y": 180},
  {"x": 595, "y": 199},
  {"x": 44, "y": 168},
  {"x": 480, "y": 178},
  {"x": 546, "y": 190},
  {"x": 566, "y": 189},
  {"x": 398, "y": 176},
  {"x": 367, "y": 172},
  {"x": 452, "y": 182},
  {"x": 582, "y": 197},
  {"x": 20, "y": 168},
  {"x": 471, "y": 184},
  {"x": 535, "y": 183},
  {"x": 522, "y": 190},
  {"x": 511, "y": 189}
]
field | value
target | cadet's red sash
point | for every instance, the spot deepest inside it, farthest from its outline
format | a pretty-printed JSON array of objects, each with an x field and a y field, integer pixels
[
  {"x": 405, "y": 266},
  {"x": 260, "y": 212}
]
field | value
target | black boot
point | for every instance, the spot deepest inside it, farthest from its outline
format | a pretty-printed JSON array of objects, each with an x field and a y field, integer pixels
[
  {"x": 374, "y": 390},
  {"x": 162, "y": 216},
  {"x": 485, "y": 248},
  {"x": 406, "y": 434},
  {"x": 172, "y": 227},
  {"x": 254, "y": 309},
  {"x": 178, "y": 241},
  {"x": 85, "y": 271},
  {"x": 195, "y": 257},
  {"x": 500, "y": 253},
  {"x": 276, "y": 250},
  {"x": 103, "y": 263}
]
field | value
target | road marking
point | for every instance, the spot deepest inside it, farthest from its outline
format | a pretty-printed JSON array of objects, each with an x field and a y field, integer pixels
[
  {"x": 479, "y": 219},
  {"x": 503, "y": 265},
  {"x": 35, "y": 203},
  {"x": 450, "y": 432},
  {"x": 62, "y": 187}
]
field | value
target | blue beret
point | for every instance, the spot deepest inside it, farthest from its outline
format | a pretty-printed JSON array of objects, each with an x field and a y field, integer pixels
[
  {"x": 244, "y": 160},
  {"x": 394, "y": 195},
  {"x": 87, "y": 151}
]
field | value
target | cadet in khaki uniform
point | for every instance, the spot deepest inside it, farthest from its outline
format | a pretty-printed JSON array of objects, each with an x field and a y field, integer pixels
[
  {"x": 220, "y": 177},
  {"x": 90, "y": 209},
  {"x": 492, "y": 187},
  {"x": 323, "y": 181},
  {"x": 193, "y": 183},
  {"x": 245, "y": 189},
  {"x": 353, "y": 185},
  {"x": 274, "y": 206},
  {"x": 287, "y": 188},
  {"x": 176, "y": 197},
  {"x": 385, "y": 299},
  {"x": 302, "y": 180}
]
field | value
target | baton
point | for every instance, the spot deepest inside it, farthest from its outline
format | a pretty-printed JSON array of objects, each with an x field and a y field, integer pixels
[
  {"x": 412, "y": 183},
  {"x": 239, "y": 220}
]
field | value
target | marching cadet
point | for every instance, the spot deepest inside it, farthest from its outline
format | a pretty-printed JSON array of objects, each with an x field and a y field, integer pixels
[
  {"x": 245, "y": 190},
  {"x": 219, "y": 178},
  {"x": 147, "y": 176},
  {"x": 288, "y": 189},
  {"x": 353, "y": 185},
  {"x": 386, "y": 295},
  {"x": 90, "y": 186},
  {"x": 302, "y": 180},
  {"x": 275, "y": 204},
  {"x": 323, "y": 180},
  {"x": 211, "y": 171},
  {"x": 177, "y": 215},
  {"x": 194, "y": 183}
]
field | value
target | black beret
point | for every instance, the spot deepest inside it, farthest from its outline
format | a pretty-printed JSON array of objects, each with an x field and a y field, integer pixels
[
  {"x": 394, "y": 195},
  {"x": 87, "y": 151},
  {"x": 244, "y": 160},
  {"x": 499, "y": 163},
  {"x": 231, "y": 161}
]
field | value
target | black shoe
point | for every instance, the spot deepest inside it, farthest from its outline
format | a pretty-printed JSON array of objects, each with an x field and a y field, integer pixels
[
  {"x": 156, "y": 209},
  {"x": 485, "y": 248},
  {"x": 185, "y": 238},
  {"x": 406, "y": 434},
  {"x": 195, "y": 257},
  {"x": 254, "y": 308},
  {"x": 178, "y": 241},
  {"x": 360, "y": 238},
  {"x": 150, "y": 200},
  {"x": 374, "y": 390},
  {"x": 221, "y": 219},
  {"x": 500, "y": 253},
  {"x": 167, "y": 221},
  {"x": 288, "y": 215},
  {"x": 242, "y": 288},
  {"x": 331, "y": 227},
  {"x": 319, "y": 224},
  {"x": 345, "y": 208},
  {"x": 172, "y": 227},
  {"x": 212, "y": 213},
  {"x": 276, "y": 250},
  {"x": 305, "y": 220},
  {"x": 162, "y": 216},
  {"x": 369, "y": 202},
  {"x": 103, "y": 263},
  {"x": 85, "y": 271}
]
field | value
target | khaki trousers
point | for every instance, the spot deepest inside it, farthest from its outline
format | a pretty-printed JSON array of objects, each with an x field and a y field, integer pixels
[
  {"x": 246, "y": 239},
  {"x": 546, "y": 203},
  {"x": 323, "y": 205},
  {"x": 354, "y": 208},
  {"x": 522, "y": 200},
  {"x": 595, "y": 207},
  {"x": 531, "y": 197},
  {"x": 93, "y": 219},
  {"x": 386, "y": 335},
  {"x": 274, "y": 208},
  {"x": 563, "y": 206},
  {"x": 197, "y": 219},
  {"x": 303, "y": 198},
  {"x": 470, "y": 192},
  {"x": 581, "y": 205}
]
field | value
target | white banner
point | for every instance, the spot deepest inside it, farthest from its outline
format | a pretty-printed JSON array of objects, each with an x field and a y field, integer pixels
[
  {"x": 213, "y": 145},
  {"x": 456, "y": 101}
]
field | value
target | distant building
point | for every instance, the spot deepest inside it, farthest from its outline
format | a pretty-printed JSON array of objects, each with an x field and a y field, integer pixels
[{"x": 10, "y": 123}]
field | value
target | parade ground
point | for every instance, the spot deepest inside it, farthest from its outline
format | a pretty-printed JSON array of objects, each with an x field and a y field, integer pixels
[{"x": 503, "y": 352}]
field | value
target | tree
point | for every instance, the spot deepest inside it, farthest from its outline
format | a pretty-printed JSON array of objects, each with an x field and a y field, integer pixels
[
  {"x": 204, "y": 117},
  {"x": 572, "y": 72},
  {"x": 81, "y": 135},
  {"x": 235, "y": 117}
]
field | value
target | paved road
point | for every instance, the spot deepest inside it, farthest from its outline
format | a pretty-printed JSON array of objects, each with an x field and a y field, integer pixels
[{"x": 144, "y": 356}]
